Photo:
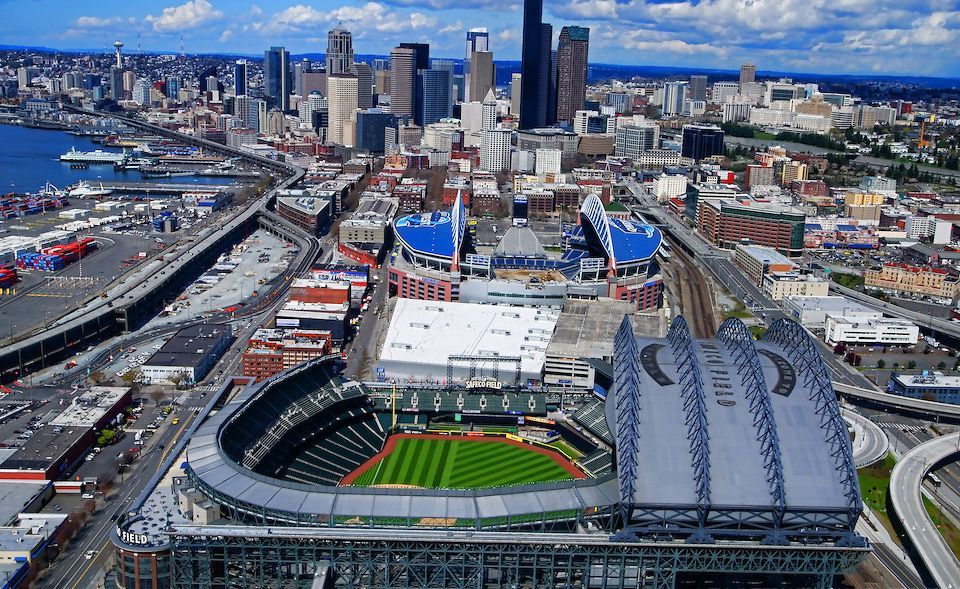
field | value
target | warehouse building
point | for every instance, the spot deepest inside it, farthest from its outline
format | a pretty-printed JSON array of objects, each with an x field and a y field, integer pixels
[
  {"x": 188, "y": 356},
  {"x": 811, "y": 312}
]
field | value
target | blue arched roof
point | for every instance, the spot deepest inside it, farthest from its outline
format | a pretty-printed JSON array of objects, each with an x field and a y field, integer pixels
[
  {"x": 427, "y": 233},
  {"x": 436, "y": 234},
  {"x": 623, "y": 241}
]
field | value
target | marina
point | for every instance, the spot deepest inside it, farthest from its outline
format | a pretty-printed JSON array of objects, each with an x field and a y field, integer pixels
[{"x": 30, "y": 158}]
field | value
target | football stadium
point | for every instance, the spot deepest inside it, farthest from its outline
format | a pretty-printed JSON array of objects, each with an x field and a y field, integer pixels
[
  {"x": 602, "y": 256},
  {"x": 721, "y": 461}
]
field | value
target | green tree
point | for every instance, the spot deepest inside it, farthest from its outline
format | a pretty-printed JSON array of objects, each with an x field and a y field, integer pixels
[
  {"x": 106, "y": 437},
  {"x": 911, "y": 364},
  {"x": 881, "y": 363}
]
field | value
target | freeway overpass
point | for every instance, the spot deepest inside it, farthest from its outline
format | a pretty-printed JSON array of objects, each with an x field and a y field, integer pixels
[
  {"x": 906, "y": 481},
  {"x": 870, "y": 442},
  {"x": 930, "y": 409}
]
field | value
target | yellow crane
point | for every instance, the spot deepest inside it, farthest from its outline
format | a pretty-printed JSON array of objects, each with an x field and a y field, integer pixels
[{"x": 921, "y": 143}]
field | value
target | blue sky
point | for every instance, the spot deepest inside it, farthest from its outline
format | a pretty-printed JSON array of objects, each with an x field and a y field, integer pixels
[{"x": 916, "y": 37}]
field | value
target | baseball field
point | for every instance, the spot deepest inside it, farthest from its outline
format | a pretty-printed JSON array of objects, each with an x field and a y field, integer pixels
[{"x": 449, "y": 462}]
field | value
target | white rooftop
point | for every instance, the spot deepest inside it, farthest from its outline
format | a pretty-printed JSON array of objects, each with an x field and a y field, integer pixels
[
  {"x": 429, "y": 332},
  {"x": 830, "y": 304},
  {"x": 929, "y": 379},
  {"x": 766, "y": 254},
  {"x": 88, "y": 408}
]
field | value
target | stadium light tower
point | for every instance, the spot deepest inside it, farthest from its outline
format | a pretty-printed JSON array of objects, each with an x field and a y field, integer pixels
[{"x": 118, "y": 45}]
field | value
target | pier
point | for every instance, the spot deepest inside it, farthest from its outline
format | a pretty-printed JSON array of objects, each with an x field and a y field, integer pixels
[{"x": 163, "y": 188}]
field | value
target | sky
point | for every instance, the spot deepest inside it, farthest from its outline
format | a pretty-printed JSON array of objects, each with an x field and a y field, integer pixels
[{"x": 915, "y": 37}]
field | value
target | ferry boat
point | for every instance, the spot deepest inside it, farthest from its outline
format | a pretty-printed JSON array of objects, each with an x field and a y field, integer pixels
[{"x": 97, "y": 156}]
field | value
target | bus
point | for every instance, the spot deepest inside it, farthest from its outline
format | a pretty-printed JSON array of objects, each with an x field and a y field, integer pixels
[{"x": 934, "y": 479}]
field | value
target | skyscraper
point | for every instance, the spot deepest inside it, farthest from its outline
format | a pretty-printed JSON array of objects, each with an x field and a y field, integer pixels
[
  {"x": 748, "y": 74},
  {"x": 478, "y": 39},
  {"x": 364, "y": 84},
  {"x": 421, "y": 61},
  {"x": 403, "y": 75},
  {"x": 239, "y": 78},
  {"x": 433, "y": 96},
  {"x": 571, "y": 71},
  {"x": 299, "y": 70},
  {"x": 673, "y": 94},
  {"x": 534, "y": 68},
  {"x": 278, "y": 81},
  {"x": 488, "y": 112},
  {"x": 515, "y": 93},
  {"x": 116, "y": 83},
  {"x": 698, "y": 87},
  {"x": 481, "y": 74},
  {"x": 421, "y": 53},
  {"x": 341, "y": 104},
  {"x": 339, "y": 51}
]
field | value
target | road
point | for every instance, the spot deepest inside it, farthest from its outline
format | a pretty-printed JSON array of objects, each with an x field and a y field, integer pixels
[
  {"x": 870, "y": 443},
  {"x": 905, "y": 498}
]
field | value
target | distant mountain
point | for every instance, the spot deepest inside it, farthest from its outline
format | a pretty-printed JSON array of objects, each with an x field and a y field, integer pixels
[{"x": 599, "y": 71}]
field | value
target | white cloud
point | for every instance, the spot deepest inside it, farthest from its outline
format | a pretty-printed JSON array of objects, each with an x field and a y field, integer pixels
[
  {"x": 96, "y": 22},
  {"x": 190, "y": 15},
  {"x": 592, "y": 9},
  {"x": 359, "y": 19},
  {"x": 293, "y": 18},
  {"x": 226, "y": 35},
  {"x": 508, "y": 35},
  {"x": 455, "y": 27}
]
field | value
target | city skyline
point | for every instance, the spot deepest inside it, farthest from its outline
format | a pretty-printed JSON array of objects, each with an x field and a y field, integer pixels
[{"x": 824, "y": 38}]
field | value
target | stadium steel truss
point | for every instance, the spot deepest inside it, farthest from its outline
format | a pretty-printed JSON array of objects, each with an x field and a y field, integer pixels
[
  {"x": 275, "y": 558},
  {"x": 706, "y": 481},
  {"x": 694, "y": 380},
  {"x": 592, "y": 209}
]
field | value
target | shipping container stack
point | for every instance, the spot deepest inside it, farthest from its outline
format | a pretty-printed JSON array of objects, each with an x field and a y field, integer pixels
[
  {"x": 55, "y": 258},
  {"x": 8, "y": 277},
  {"x": 19, "y": 205}
]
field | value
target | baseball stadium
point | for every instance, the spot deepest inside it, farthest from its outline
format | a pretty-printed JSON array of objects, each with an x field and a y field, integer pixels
[
  {"x": 716, "y": 460},
  {"x": 602, "y": 256}
]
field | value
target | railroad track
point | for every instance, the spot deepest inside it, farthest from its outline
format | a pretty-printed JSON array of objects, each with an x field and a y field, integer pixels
[{"x": 692, "y": 291}]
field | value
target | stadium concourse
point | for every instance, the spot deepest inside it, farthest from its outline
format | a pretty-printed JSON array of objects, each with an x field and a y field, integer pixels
[
  {"x": 435, "y": 259},
  {"x": 721, "y": 458}
]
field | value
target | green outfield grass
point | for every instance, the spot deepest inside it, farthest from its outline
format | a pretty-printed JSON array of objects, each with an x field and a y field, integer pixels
[{"x": 460, "y": 464}]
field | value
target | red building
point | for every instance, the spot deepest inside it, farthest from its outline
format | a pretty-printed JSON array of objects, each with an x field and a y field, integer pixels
[
  {"x": 410, "y": 285},
  {"x": 272, "y": 351},
  {"x": 320, "y": 291},
  {"x": 816, "y": 188}
]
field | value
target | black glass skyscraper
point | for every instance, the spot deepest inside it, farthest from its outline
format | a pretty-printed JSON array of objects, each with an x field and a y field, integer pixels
[
  {"x": 535, "y": 68},
  {"x": 278, "y": 81},
  {"x": 421, "y": 61},
  {"x": 240, "y": 78}
]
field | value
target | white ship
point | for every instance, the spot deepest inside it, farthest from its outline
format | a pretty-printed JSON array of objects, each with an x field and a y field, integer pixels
[
  {"x": 98, "y": 156},
  {"x": 84, "y": 190}
]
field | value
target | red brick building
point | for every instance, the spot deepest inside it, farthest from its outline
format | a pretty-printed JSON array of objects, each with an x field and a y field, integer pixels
[{"x": 272, "y": 351}]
